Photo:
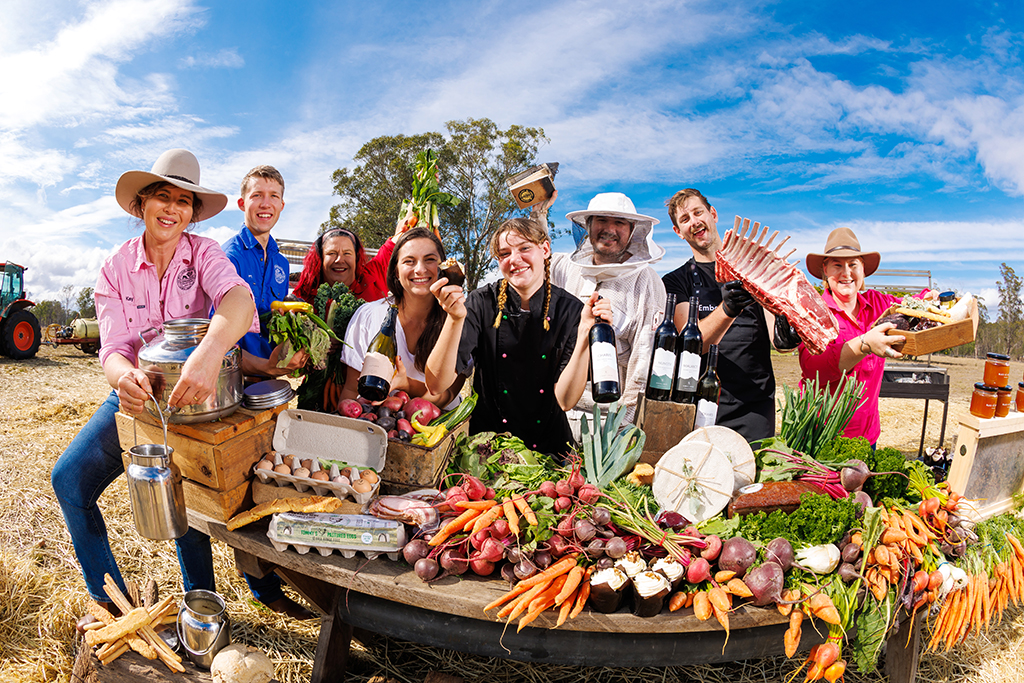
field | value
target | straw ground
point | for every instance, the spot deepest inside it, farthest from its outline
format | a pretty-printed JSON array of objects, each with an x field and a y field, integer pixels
[{"x": 45, "y": 401}]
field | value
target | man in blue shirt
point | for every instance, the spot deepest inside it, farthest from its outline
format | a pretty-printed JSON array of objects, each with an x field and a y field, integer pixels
[{"x": 257, "y": 259}]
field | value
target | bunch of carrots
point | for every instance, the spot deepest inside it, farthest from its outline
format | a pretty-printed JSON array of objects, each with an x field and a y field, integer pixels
[
  {"x": 969, "y": 609},
  {"x": 565, "y": 585},
  {"x": 904, "y": 535},
  {"x": 480, "y": 514}
]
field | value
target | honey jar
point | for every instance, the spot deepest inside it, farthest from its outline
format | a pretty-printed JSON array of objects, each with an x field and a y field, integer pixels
[
  {"x": 983, "y": 401},
  {"x": 997, "y": 370},
  {"x": 1020, "y": 397},
  {"x": 1003, "y": 398}
]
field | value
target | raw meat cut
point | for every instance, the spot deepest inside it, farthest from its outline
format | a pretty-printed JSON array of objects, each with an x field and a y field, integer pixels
[{"x": 775, "y": 283}]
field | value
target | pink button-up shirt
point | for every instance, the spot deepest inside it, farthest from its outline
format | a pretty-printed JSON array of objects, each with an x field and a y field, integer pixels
[
  {"x": 865, "y": 421},
  {"x": 130, "y": 299}
]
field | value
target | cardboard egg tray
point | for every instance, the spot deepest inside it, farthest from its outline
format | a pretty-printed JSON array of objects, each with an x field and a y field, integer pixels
[{"x": 329, "y": 532}]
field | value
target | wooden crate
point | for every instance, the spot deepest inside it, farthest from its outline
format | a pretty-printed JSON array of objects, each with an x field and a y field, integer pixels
[
  {"x": 219, "y": 455},
  {"x": 938, "y": 338},
  {"x": 988, "y": 464},
  {"x": 409, "y": 467},
  {"x": 665, "y": 423}
]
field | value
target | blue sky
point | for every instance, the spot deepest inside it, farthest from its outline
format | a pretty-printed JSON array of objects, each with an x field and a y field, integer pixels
[{"x": 902, "y": 120}]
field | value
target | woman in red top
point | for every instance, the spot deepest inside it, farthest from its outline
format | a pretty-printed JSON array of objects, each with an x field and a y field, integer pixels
[
  {"x": 862, "y": 347},
  {"x": 337, "y": 255}
]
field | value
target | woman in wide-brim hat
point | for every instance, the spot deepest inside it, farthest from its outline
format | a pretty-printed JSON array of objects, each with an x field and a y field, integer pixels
[
  {"x": 862, "y": 346},
  {"x": 164, "y": 273}
]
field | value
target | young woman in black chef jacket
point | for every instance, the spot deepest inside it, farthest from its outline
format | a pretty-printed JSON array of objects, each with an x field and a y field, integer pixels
[{"x": 526, "y": 339}]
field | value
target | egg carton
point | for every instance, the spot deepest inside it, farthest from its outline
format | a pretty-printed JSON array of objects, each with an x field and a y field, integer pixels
[
  {"x": 346, "y": 534},
  {"x": 320, "y": 488},
  {"x": 348, "y": 554}
]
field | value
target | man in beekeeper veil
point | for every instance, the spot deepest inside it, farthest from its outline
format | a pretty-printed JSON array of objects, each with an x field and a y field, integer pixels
[{"x": 614, "y": 252}]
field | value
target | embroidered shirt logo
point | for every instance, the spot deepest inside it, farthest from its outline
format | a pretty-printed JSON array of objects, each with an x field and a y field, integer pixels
[
  {"x": 279, "y": 274},
  {"x": 187, "y": 279}
]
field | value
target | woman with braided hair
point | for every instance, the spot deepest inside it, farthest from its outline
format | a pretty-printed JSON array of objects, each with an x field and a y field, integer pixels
[{"x": 526, "y": 339}]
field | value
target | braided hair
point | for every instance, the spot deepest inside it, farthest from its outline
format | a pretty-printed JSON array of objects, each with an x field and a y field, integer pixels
[{"x": 531, "y": 231}]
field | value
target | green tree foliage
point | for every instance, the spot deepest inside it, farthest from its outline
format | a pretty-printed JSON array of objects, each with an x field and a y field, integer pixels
[
  {"x": 474, "y": 160},
  {"x": 86, "y": 303},
  {"x": 1011, "y": 309},
  {"x": 50, "y": 312}
]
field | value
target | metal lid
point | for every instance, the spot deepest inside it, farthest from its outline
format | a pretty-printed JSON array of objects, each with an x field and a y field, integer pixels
[
  {"x": 947, "y": 296},
  {"x": 267, "y": 394},
  {"x": 981, "y": 386},
  {"x": 997, "y": 356}
]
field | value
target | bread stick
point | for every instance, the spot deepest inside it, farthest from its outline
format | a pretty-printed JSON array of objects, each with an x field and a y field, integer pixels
[{"x": 939, "y": 318}]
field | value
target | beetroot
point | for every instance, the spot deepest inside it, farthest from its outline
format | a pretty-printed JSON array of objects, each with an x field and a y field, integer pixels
[
  {"x": 473, "y": 487},
  {"x": 698, "y": 571},
  {"x": 557, "y": 545},
  {"x": 414, "y": 550},
  {"x": 576, "y": 480},
  {"x": 853, "y": 476},
  {"x": 584, "y": 530},
  {"x": 543, "y": 559},
  {"x": 477, "y": 539},
  {"x": 780, "y": 551},
  {"x": 491, "y": 550},
  {"x": 765, "y": 582},
  {"x": 564, "y": 488},
  {"x": 615, "y": 547},
  {"x": 453, "y": 561},
  {"x": 426, "y": 568},
  {"x": 562, "y": 503},
  {"x": 565, "y": 526},
  {"x": 737, "y": 555},
  {"x": 499, "y": 528},
  {"x": 482, "y": 567},
  {"x": 588, "y": 494},
  {"x": 863, "y": 501},
  {"x": 422, "y": 410},
  {"x": 452, "y": 496},
  {"x": 713, "y": 548},
  {"x": 547, "y": 488},
  {"x": 350, "y": 408}
]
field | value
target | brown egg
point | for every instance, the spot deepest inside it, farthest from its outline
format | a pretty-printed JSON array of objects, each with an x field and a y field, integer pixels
[
  {"x": 320, "y": 475},
  {"x": 283, "y": 469},
  {"x": 307, "y": 463},
  {"x": 362, "y": 486},
  {"x": 370, "y": 476},
  {"x": 287, "y": 459},
  {"x": 265, "y": 465},
  {"x": 346, "y": 472},
  {"x": 301, "y": 472}
]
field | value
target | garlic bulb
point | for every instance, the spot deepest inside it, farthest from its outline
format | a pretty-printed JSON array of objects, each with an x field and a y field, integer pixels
[{"x": 819, "y": 559}]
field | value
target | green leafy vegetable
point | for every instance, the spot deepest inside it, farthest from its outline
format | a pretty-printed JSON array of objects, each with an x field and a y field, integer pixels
[
  {"x": 818, "y": 520},
  {"x": 843, "y": 449},
  {"x": 814, "y": 416},
  {"x": 609, "y": 451},
  {"x": 887, "y": 485}
]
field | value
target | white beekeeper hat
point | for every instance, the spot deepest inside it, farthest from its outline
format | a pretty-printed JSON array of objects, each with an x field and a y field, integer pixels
[{"x": 612, "y": 204}]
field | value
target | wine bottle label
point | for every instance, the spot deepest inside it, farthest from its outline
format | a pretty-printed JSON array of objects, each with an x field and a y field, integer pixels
[
  {"x": 662, "y": 367},
  {"x": 378, "y": 365},
  {"x": 689, "y": 371},
  {"x": 707, "y": 413},
  {"x": 603, "y": 362}
]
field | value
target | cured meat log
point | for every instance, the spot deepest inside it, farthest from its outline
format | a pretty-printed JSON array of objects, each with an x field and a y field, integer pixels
[{"x": 775, "y": 283}]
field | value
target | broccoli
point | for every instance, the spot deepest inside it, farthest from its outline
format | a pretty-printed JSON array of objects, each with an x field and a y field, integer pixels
[
  {"x": 843, "y": 449},
  {"x": 889, "y": 485}
]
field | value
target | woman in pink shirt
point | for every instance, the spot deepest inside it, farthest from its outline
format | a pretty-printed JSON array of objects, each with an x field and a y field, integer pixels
[
  {"x": 164, "y": 273},
  {"x": 862, "y": 347}
]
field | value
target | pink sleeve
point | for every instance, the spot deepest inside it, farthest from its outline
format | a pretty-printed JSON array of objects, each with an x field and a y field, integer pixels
[
  {"x": 217, "y": 276},
  {"x": 116, "y": 338}
]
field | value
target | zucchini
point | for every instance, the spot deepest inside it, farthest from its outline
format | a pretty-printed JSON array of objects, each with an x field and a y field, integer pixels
[{"x": 457, "y": 414}]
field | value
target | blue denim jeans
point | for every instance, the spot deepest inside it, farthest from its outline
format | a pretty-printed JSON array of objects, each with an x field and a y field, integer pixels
[{"x": 90, "y": 463}]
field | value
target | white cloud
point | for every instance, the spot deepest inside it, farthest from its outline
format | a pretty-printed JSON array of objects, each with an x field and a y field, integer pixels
[{"x": 223, "y": 59}]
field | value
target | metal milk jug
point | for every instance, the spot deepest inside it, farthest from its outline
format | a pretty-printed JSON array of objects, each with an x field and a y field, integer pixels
[
  {"x": 203, "y": 626},
  {"x": 156, "y": 492}
]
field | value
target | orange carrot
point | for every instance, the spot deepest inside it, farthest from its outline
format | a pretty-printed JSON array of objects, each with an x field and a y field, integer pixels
[
  {"x": 550, "y": 592},
  {"x": 451, "y": 527},
  {"x": 475, "y": 504},
  {"x": 511, "y": 516},
  {"x": 566, "y": 608},
  {"x": 534, "y": 613},
  {"x": 561, "y": 567},
  {"x": 519, "y": 605},
  {"x": 581, "y": 597},
  {"x": 572, "y": 582},
  {"x": 822, "y": 608},
  {"x": 702, "y": 606},
  {"x": 486, "y": 518},
  {"x": 525, "y": 508}
]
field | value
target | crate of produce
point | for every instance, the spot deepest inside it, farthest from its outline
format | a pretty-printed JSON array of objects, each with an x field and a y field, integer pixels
[
  {"x": 218, "y": 455},
  {"x": 410, "y": 467},
  {"x": 939, "y": 338},
  {"x": 320, "y": 437}
]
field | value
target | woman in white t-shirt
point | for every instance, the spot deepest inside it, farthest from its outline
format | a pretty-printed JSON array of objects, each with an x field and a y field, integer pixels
[{"x": 413, "y": 268}]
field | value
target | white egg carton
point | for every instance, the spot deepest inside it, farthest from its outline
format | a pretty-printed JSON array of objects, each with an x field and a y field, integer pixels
[
  {"x": 329, "y": 532},
  {"x": 307, "y": 434}
]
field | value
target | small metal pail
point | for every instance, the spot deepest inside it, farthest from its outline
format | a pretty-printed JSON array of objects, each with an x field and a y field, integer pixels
[
  {"x": 204, "y": 628},
  {"x": 156, "y": 492}
]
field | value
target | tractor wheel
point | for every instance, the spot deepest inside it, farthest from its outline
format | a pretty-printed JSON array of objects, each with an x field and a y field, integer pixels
[
  {"x": 90, "y": 348},
  {"x": 21, "y": 335}
]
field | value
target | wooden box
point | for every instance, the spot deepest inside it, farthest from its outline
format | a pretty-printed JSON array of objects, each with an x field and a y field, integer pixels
[
  {"x": 534, "y": 185},
  {"x": 665, "y": 423},
  {"x": 410, "y": 467},
  {"x": 938, "y": 338},
  {"x": 219, "y": 455},
  {"x": 988, "y": 464}
]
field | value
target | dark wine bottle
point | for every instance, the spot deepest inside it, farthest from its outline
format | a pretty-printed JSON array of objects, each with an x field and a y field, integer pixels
[
  {"x": 663, "y": 356},
  {"x": 689, "y": 346},
  {"x": 379, "y": 362},
  {"x": 604, "y": 363},
  {"x": 708, "y": 390}
]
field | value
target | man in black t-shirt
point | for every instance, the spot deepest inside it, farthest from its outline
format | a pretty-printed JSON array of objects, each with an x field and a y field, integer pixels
[{"x": 730, "y": 318}]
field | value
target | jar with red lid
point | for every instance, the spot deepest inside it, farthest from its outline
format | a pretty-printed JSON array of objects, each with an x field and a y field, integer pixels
[
  {"x": 997, "y": 370},
  {"x": 1004, "y": 395},
  {"x": 983, "y": 401},
  {"x": 1020, "y": 397}
]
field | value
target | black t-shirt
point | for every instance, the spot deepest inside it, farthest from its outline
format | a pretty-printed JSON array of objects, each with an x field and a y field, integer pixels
[
  {"x": 518, "y": 364},
  {"x": 744, "y": 353}
]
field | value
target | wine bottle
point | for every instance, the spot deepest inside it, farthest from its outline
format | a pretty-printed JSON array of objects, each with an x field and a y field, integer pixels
[
  {"x": 689, "y": 346},
  {"x": 708, "y": 390},
  {"x": 604, "y": 363},
  {"x": 663, "y": 356},
  {"x": 379, "y": 362}
]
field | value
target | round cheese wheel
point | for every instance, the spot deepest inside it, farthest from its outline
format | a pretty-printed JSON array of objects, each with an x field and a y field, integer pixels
[
  {"x": 694, "y": 479},
  {"x": 730, "y": 442}
]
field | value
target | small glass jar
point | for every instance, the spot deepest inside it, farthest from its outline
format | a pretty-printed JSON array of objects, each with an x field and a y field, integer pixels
[
  {"x": 1020, "y": 397},
  {"x": 997, "y": 370},
  {"x": 983, "y": 401},
  {"x": 947, "y": 299},
  {"x": 1004, "y": 395}
]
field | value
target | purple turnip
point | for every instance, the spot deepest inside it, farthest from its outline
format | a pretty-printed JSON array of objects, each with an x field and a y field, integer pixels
[
  {"x": 780, "y": 551},
  {"x": 543, "y": 559},
  {"x": 615, "y": 547},
  {"x": 601, "y": 516},
  {"x": 425, "y": 568},
  {"x": 414, "y": 550},
  {"x": 765, "y": 582},
  {"x": 595, "y": 548},
  {"x": 524, "y": 569},
  {"x": 584, "y": 530},
  {"x": 737, "y": 555}
]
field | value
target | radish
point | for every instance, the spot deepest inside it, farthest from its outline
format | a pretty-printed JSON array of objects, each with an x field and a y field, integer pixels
[
  {"x": 491, "y": 550},
  {"x": 564, "y": 488},
  {"x": 698, "y": 571},
  {"x": 455, "y": 494},
  {"x": 499, "y": 528},
  {"x": 350, "y": 408},
  {"x": 562, "y": 503},
  {"x": 473, "y": 487},
  {"x": 588, "y": 494},
  {"x": 482, "y": 567},
  {"x": 477, "y": 539},
  {"x": 453, "y": 561},
  {"x": 566, "y": 527},
  {"x": 714, "y": 547},
  {"x": 547, "y": 489},
  {"x": 576, "y": 480}
]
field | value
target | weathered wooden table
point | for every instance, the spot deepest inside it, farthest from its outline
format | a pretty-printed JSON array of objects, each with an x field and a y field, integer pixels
[{"x": 386, "y": 597}]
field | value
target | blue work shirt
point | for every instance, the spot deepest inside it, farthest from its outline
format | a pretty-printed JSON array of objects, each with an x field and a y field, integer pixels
[{"x": 268, "y": 280}]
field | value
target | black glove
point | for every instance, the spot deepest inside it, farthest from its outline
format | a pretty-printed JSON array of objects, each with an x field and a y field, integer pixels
[
  {"x": 735, "y": 298},
  {"x": 786, "y": 337}
]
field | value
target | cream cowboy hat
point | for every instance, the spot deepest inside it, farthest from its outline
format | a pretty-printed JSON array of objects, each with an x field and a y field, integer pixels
[
  {"x": 180, "y": 168},
  {"x": 611, "y": 204},
  {"x": 842, "y": 243}
]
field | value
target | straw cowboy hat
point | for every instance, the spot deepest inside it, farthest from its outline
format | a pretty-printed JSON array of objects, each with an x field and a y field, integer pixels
[
  {"x": 611, "y": 204},
  {"x": 180, "y": 168},
  {"x": 842, "y": 243}
]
